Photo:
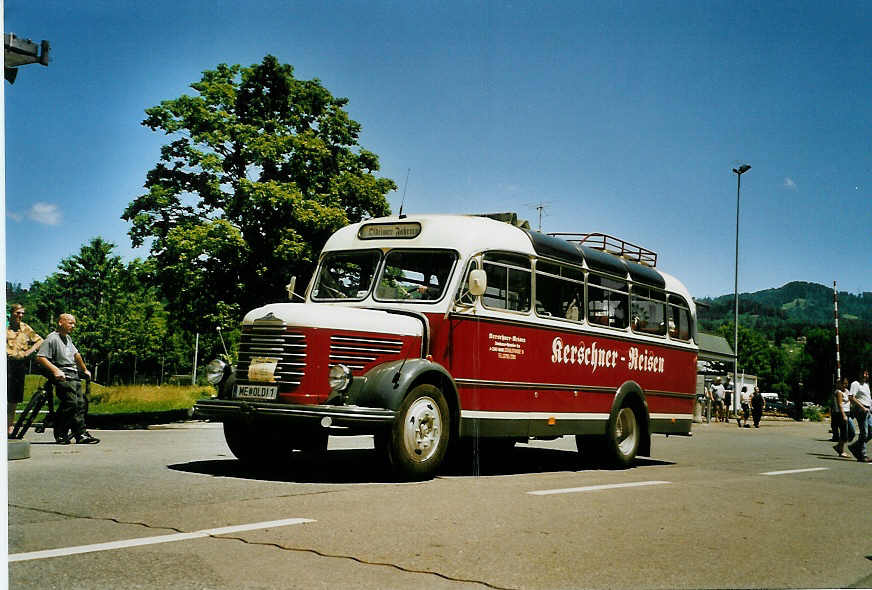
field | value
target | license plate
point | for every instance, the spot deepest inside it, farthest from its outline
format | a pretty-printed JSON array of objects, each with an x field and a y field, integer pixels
[{"x": 256, "y": 391}]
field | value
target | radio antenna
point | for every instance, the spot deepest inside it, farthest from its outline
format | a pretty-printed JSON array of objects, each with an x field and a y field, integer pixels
[
  {"x": 406, "y": 186},
  {"x": 540, "y": 207}
]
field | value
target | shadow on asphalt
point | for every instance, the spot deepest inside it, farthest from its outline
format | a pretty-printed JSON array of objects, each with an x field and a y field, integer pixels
[{"x": 366, "y": 466}]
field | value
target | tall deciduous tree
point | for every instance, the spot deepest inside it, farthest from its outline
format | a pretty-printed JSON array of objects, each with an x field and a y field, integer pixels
[
  {"x": 121, "y": 322},
  {"x": 260, "y": 170}
]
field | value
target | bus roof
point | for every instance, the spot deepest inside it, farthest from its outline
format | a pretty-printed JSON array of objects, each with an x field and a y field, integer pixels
[{"x": 471, "y": 234}]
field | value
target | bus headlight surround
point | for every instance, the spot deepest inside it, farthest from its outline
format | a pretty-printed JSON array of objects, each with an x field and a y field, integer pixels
[
  {"x": 339, "y": 377},
  {"x": 215, "y": 371}
]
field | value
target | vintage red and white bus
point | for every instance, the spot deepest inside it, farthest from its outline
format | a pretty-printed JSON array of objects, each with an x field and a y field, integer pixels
[{"x": 432, "y": 329}]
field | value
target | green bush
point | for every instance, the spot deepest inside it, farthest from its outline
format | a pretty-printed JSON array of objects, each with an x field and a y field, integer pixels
[
  {"x": 813, "y": 413},
  {"x": 127, "y": 399}
]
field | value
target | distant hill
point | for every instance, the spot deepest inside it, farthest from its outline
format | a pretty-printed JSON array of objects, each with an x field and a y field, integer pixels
[{"x": 794, "y": 303}]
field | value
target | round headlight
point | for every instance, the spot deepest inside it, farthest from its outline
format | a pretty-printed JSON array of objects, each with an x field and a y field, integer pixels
[
  {"x": 215, "y": 371},
  {"x": 339, "y": 377}
]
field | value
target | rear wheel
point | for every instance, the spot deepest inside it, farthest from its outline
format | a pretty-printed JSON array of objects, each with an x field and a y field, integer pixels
[
  {"x": 620, "y": 444},
  {"x": 419, "y": 437},
  {"x": 623, "y": 437}
]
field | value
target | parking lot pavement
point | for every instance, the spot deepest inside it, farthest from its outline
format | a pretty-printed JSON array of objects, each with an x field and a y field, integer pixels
[{"x": 726, "y": 507}]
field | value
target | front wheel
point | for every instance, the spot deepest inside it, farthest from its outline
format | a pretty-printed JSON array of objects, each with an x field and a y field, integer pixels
[
  {"x": 419, "y": 437},
  {"x": 255, "y": 445}
]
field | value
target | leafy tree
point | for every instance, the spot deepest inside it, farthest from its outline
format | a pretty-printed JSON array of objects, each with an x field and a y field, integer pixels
[
  {"x": 121, "y": 322},
  {"x": 261, "y": 169},
  {"x": 755, "y": 352}
]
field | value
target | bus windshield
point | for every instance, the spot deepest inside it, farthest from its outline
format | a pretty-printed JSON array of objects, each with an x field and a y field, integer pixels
[
  {"x": 415, "y": 274},
  {"x": 406, "y": 275}
]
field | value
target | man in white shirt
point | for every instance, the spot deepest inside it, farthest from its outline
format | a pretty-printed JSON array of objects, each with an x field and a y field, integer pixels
[
  {"x": 719, "y": 393},
  {"x": 861, "y": 402}
]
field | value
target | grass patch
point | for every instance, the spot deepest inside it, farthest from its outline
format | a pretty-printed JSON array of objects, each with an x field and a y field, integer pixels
[{"x": 132, "y": 399}]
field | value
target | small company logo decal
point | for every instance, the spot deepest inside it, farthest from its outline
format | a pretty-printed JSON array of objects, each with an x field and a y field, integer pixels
[{"x": 507, "y": 347}]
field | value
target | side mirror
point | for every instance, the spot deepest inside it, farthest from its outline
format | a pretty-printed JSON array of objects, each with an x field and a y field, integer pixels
[
  {"x": 290, "y": 287},
  {"x": 477, "y": 282}
]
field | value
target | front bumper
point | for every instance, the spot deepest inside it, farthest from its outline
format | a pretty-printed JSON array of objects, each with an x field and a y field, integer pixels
[{"x": 252, "y": 410}]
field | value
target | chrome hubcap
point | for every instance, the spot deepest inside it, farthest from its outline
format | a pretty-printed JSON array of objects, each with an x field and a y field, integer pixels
[
  {"x": 626, "y": 431},
  {"x": 422, "y": 429}
]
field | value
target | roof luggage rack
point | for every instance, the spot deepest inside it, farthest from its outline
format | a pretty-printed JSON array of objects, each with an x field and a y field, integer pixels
[{"x": 612, "y": 245}]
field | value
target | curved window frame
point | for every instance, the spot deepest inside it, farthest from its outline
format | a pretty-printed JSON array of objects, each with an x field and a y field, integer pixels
[{"x": 673, "y": 300}]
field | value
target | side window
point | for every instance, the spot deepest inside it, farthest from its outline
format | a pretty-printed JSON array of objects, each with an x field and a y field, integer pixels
[
  {"x": 607, "y": 301},
  {"x": 508, "y": 282},
  {"x": 679, "y": 318},
  {"x": 648, "y": 310},
  {"x": 559, "y": 291}
]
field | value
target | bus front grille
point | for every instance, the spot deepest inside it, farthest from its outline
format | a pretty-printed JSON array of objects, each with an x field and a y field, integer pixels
[
  {"x": 274, "y": 342},
  {"x": 359, "y": 352}
]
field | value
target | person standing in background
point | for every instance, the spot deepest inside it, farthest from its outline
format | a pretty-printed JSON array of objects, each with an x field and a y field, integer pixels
[
  {"x": 21, "y": 342},
  {"x": 842, "y": 418},
  {"x": 861, "y": 401},
  {"x": 744, "y": 403},
  {"x": 718, "y": 394},
  {"x": 758, "y": 404}
]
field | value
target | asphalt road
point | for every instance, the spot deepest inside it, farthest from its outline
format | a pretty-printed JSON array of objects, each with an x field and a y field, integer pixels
[{"x": 726, "y": 508}]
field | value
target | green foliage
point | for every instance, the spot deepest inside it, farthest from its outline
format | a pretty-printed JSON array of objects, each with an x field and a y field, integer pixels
[
  {"x": 812, "y": 414},
  {"x": 787, "y": 336},
  {"x": 794, "y": 304},
  {"x": 137, "y": 398},
  {"x": 124, "y": 399},
  {"x": 122, "y": 328},
  {"x": 261, "y": 169}
]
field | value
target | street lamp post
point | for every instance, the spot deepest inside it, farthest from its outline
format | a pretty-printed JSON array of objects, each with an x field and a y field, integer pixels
[{"x": 739, "y": 172}]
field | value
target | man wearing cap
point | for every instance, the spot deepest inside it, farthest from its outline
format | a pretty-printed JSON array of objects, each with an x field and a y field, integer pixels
[{"x": 60, "y": 357}]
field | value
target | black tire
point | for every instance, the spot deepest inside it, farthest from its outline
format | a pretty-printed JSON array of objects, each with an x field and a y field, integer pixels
[
  {"x": 419, "y": 437},
  {"x": 255, "y": 444},
  {"x": 620, "y": 444}
]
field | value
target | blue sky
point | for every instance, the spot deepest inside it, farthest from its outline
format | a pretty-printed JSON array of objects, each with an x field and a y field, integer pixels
[{"x": 622, "y": 117}]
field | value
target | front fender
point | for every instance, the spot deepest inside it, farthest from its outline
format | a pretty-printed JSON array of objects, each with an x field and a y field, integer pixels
[{"x": 386, "y": 385}]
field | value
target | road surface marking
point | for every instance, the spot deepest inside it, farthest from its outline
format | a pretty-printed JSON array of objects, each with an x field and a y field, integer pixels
[
  {"x": 795, "y": 471},
  {"x": 154, "y": 540},
  {"x": 611, "y": 486}
]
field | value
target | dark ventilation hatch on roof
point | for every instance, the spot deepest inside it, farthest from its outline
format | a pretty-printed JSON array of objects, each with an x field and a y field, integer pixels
[
  {"x": 645, "y": 275},
  {"x": 604, "y": 262},
  {"x": 546, "y": 245}
]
